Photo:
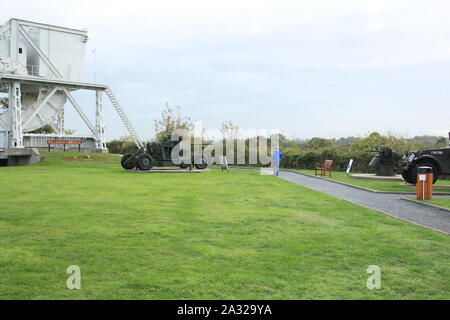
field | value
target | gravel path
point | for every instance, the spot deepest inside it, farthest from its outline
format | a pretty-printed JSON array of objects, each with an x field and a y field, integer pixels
[{"x": 391, "y": 204}]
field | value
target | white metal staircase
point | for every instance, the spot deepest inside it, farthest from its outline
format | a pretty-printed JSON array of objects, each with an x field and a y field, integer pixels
[{"x": 124, "y": 118}]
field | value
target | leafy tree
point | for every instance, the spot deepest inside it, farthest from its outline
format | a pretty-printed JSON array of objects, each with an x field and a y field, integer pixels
[
  {"x": 371, "y": 142},
  {"x": 343, "y": 141},
  {"x": 441, "y": 143},
  {"x": 47, "y": 129},
  {"x": 229, "y": 130},
  {"x": 122, "y": 146},
  {"x": 318, "y": 143},
  {"x": 4, "y": 104},
  {"x": 171, "y": 120},
  {"x": 426, "y": 141},
  {"x": 69, "y": 132},
  {"x": 394, "y": 141}
]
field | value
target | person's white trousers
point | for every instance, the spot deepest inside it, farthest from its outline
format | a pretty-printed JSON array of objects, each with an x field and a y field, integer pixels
[{"x": 276, "y": 166}]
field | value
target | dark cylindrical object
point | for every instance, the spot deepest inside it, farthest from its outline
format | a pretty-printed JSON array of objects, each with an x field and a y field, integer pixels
[{"x": 424, "y": 170}]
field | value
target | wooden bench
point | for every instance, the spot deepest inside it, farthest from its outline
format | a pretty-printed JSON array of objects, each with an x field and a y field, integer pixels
[{"x": 323, "y": 168}]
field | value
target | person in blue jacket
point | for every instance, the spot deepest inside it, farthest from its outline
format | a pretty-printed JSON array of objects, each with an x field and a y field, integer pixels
[{"x": 277, "y": 155}]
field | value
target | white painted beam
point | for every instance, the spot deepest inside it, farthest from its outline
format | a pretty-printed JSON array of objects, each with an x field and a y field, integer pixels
[
  {"x": 47, "y": 61},
  {"x": 14, "y": 40},
  {"x": 44, "y": 101},
  {"x": 99, "y": 124},
  {"x": 5, "y": 27},
  {"x": 15, "y": 97}
]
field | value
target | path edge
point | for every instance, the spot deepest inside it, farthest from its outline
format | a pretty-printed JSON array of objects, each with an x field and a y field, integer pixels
[
  {"x": 428, "y": 205},
  {"x": 376, "y": 210},
  {"x": 361, "y": 188}
]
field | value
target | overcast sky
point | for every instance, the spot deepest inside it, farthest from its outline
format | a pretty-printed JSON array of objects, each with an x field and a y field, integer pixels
[{"x": 308, "y": 68}]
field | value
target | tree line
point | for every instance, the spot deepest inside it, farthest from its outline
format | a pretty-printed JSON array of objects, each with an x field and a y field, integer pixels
[{"x": 298, "y": 153}]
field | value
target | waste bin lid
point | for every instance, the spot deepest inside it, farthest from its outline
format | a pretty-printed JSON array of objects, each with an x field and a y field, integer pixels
[{"x": 424, "y": 170}]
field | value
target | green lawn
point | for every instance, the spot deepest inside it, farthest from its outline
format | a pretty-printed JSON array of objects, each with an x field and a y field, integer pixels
[
  {"x": 236, "y": 235},
  {"x": 440, "y": 202},
  {"x": 379, "y": 185}
]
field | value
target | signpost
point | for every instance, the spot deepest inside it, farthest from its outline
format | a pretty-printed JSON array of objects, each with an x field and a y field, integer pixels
[
  {"x": 64, "y": 142},
  {"x": 349, "y": 167}
]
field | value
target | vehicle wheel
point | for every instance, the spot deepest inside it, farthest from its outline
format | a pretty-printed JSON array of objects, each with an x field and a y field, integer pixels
[
  {"x": 201, "y": 166},
  {"x": 408, "y": 176},
  {"x": 128, "y": 162},
  {"x": 183, "y": 166},
  {"x": 435, "y": 172},
  {"x": 144, "y": 162}
]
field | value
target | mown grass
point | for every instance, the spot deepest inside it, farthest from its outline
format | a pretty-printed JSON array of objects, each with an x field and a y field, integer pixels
[
  {"x": 440, "y": 202},
  {"x": 236, "y": 235},
  {"x": 379, "y": 185}
]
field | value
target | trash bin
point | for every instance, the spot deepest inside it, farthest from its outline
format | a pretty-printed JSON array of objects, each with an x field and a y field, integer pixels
[{"x": 424, "y": 183}]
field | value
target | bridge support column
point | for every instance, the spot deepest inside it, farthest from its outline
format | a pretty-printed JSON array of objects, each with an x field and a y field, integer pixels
[
  {"x": 99, "y": 123},
  {"x": 60, "y": 121},
  {"x": 15, "y": 101}
]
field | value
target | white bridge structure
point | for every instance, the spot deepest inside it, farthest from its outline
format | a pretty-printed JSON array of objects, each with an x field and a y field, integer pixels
[{"x": 40, "y": 66}]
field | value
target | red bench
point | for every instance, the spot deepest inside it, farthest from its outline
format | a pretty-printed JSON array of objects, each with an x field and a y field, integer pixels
[{"x": 323, "y": 168}]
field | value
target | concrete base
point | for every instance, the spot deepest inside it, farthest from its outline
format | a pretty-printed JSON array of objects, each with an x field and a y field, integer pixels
[
  {"x": 372, "y": 176},
  {"x": 20, "y": 156}
]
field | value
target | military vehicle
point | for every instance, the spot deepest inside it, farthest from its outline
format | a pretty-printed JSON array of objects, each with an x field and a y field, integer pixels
[
  {"x": 438, "y": 159},
  {"x": 158, "y": 154},
  {"x": 385, "y": 161}
]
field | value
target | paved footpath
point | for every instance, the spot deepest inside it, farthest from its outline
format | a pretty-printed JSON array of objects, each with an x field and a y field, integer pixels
[{"x": 391, "y": 204}]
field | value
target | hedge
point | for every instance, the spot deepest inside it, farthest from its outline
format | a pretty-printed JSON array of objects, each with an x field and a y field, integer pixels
[{"x": 308, "y": 159}]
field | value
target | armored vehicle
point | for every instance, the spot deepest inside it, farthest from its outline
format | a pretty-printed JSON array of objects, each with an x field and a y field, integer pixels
[
  {"x": 438, "y": 159},
  {"x": 157, "y": 154},
  {"x": 385, "y": 161}
]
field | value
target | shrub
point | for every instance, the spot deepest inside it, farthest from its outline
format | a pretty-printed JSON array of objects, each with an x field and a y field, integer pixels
[
  {"x": 122, "y": 146},
  {"x": 308, "y": 158}
]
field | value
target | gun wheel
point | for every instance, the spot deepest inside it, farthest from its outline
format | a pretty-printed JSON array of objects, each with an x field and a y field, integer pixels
[
  {"x": 144, "y": 162},
  {"x": 201, "y": 166},
  {"x": 128, "y": 162}
]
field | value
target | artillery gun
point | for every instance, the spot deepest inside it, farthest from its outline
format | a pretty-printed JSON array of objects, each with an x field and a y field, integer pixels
[
  {"x": 385, "y": 161},
  {"x": 158, "y": 154},
  {"x": 437, "y": 159}
]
